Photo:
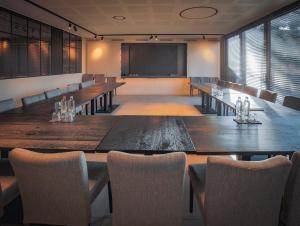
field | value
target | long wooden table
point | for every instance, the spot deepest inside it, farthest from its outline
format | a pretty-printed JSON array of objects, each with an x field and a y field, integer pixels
[{"x": 29, "y": 127}]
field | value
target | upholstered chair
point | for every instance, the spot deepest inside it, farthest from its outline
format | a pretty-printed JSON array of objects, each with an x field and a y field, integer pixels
[
  {"x": 57, "y": 189},
  {"x": 235, "y": 193},
  {"x": 6, "y": 105},
  {"x": 268, "y": 95},
  {"x": 292, "y": 102},
  {"x": 53, "y": 93},
  {"x": 87, "y": 84},
  {"x": 291, "y": 203},
  {"x": 33, "y": 99},
  {"x": 250, "y": 91},
  {"x": 236, "y": 86},
  {"x": 8, "y": 185},
  {"x": 87, "y": 77},
  {"x": 73, "y": 87},
  {"x": 99, "y": 78},
  {"x": 147, "y": 190}
]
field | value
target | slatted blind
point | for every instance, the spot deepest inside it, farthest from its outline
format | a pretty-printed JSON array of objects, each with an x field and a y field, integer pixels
[
  {"x": 255, "y": 57},
  {"x": 233, "y": 59},
  {"x": 285, "y": 55}
]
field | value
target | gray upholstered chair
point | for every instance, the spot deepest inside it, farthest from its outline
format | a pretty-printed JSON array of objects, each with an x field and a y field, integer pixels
[
  {"x": 235, "y": 193},
  {"x": 33, "y": 99},
  {"x": 99, "y": 78},
  {"x": 147, "y": 190},
  {"x": 57, "y": 189},
  {"x": 250, "y": 90},
  {"x": 8, "y": 185},
  {"x": 6, "y": 105},
  {"x": 53, "y": 93},
  {"x": 268, "y": 95},
  {"x": 87, "y": 84},
  {"x": 87, "y": 77},
  {"x": 292, "y": 102},
  {"x": 291, "y": 203},
  {"x": 73, "y": 87}
]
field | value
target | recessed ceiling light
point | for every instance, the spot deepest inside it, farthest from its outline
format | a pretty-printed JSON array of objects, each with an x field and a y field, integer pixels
[
  {"x": 199, "y": 12},
  {"x": 120, "y": 18}
]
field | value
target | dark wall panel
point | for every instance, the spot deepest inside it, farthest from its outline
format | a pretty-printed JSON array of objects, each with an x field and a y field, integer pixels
[{"x": 56, "y": 52}]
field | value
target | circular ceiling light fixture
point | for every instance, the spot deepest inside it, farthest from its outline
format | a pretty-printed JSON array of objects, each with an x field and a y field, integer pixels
[
  {"x": 197, "y": 13},
  {"x": 119, "y": 18}
]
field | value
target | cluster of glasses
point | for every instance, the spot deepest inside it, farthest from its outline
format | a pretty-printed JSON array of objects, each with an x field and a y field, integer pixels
[
  {"x": 216, "y": 92},
  {"x": 243, "y": 111},
  {"x": 65, "y": 110}
]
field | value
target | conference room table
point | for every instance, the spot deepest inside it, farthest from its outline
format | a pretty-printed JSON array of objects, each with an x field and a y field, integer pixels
[{"x": 202, "y": 135}]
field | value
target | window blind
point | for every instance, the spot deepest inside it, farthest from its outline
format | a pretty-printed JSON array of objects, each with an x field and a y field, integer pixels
[
  {"x": 233, "y": 59},
  {"x": 255, "y": 57},
  {"x": 285, "y": 55}
]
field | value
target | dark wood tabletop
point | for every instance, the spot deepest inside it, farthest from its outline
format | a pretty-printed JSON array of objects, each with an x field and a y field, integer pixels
[{"x": 81, "y": 97}]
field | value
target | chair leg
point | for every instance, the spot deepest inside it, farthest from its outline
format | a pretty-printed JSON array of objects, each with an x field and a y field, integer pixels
[
  {"x": 191, "y": 198},
  {"x": 110, "y": 197}
]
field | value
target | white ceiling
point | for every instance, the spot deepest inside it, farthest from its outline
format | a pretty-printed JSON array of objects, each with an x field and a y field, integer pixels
[{"x": 147, "y": 16}]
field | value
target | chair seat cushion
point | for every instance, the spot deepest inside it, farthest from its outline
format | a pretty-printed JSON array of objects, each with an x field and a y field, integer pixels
[
  {"x": 98, "y": 178},
  {"x": 197, "y": 174}
]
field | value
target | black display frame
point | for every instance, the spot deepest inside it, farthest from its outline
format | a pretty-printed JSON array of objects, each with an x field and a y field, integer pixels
[{"x": 10, "y": 73}]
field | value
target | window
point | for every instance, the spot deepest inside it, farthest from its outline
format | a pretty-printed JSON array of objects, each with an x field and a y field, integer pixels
[
  {"x": 233, "y": 59},
  {"x": 255, "y": 57},
  {"x": 285, "y": 55}
]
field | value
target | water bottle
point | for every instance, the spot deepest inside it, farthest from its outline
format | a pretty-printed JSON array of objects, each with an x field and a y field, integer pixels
[
  {"x": 246, "y": 108},
  {"x": 239, "y": 108},
  {"x": 71, "y": 106}
]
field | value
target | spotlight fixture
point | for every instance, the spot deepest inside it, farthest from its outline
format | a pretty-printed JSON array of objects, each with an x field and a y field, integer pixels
[
  {"x": 119, "y": 18},
  {"x": 70, "y": 26},
  {"x": 75, "y": 28},
  {"x": 156, "y": 38},
  {"x": 102, "y": 38},
  {"x": 151, "y": 37}
]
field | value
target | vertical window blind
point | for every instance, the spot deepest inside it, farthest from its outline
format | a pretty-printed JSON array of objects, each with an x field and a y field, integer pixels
[
  {"x": 285, "y": 55},
  {"x": 255, "y": 57},
  {"x": 233, "y": 58}
]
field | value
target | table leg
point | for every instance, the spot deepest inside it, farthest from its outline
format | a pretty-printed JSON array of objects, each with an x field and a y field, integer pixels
[
  {"x": 110, "y": 99},
  {"x": 93, "y": 107},
  {"x": 105, "y": 102}
]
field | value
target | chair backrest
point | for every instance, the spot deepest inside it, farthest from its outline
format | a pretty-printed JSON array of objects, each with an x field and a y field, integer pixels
[
  {"x": 87, "y": 84},
  {"x": 250, "y": 90},
  {"x": 268, "y": 95},
  {"x": 53, "y": 187},
  {"x": 111, "y": 80},
  {"x": 99, "y": 78},
  {"x": 291, "y": 207},
  {"x": 33, "y": 99},
  {"x": 221, "y": 83},
  {"x": 6, "y": 105},
  {"x": 227, "y": 84},
  {"x": 87, "y": 77},
  {"x": 53, "y": 93},
  {"x": 244, "y": 193},
  {"x": 200, "y": 80},
  {"x": 147, "y": 190},
  {"x": 292, "y": 102},
  {"x": 236, "y": 86},
  {"x": 73, "y": 87}
]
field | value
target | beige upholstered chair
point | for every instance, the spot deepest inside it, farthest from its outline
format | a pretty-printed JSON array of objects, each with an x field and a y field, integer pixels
[
  {"x": 99, "y": 78},
  {"x": 8, "y": 185},
  {"x": 250, "y": 91},
  {"x": 238, "y": 193},
  {"x": 292, "y": 102},
  {"x": 87, "y": 84},
  {"x": 53, "y": 93},
  {"x": 236, "y": 86},
  {"x": 228, "y": 84},
  {"x": 221, "y": 83},
  {"x": 268, "y": 95},
  {"x": 6, "y": 105},
  {"x": 147, "y": 190},
  {"x": 57, "y": 189},
  {"x": 87, "y": 77},
  {"x": 33, "y": 99},
  {"x": 291, "y": 207},
  {"x": 111, "y": 80}
]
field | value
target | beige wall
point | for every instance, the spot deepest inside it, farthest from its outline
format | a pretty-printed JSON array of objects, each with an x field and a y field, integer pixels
[
  {"x": 203, "y": 59},
  {"x": 21, "y": 87}
]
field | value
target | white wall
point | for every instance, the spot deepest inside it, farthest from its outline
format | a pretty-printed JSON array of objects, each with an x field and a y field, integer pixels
[
  {"x": 203, "y": 59},
  {"x": 21, "y": 87}
]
